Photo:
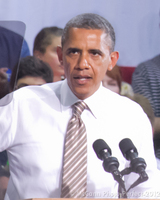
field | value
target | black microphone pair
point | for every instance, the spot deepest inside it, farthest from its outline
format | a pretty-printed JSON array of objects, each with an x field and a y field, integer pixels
[
  {"x": 111, "y": 164},
  {"x": 128, "y": 150}
]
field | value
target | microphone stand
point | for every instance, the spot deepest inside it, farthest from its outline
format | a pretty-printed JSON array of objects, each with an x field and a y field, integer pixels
[
  {"x": 111, "y": 165},
  {"x": 122, "y": 193},
  {"x": 142, "y": 175}
]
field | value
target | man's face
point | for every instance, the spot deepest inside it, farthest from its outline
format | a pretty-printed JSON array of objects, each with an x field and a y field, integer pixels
[
  {"x": 111, "y": 84},
  {"x": 50, "y": 57},
  {"x": 86, "y": 58}
]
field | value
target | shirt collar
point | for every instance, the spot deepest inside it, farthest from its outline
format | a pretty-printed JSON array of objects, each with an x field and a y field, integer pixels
[{"x": 68, "y": 99}]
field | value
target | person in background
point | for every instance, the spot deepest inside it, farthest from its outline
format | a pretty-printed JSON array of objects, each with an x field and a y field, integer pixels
[
  {"x": 12, "y": 47},
  {"x": 156, "y": 140},
  {"x": 4, "y": 178},
  {"x": 45, "y": 48},
  {"x": 4, "y": 85},
  {"x": 113, "y": 81},
  {"x": 30, "y": 71},
  {"x": 3, "y": 159},
  {"x": 146, "y": 81}
]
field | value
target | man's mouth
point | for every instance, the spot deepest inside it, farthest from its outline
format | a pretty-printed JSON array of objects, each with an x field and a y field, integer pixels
[{"x": 82, "y": 79}]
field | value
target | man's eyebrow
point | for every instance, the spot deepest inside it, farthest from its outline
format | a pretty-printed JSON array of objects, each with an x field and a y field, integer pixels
[
  {"x": 96, "y": 51},
  {"x": 73, "y": 49}
]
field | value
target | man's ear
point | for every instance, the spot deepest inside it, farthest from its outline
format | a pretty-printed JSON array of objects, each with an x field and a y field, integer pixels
[
  {"x": 60, "y": 55},
  {"x": 113, "y": 59},
  {"x": 37, "y": 54}
]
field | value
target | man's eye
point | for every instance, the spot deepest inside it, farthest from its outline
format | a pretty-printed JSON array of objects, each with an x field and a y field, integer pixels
[
  {"x": 74, "y": 52},
  {"x": 96, "y": 53}
]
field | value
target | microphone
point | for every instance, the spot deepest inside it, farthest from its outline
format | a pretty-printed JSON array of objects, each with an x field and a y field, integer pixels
[
  {"x": 130, "y": 152},
  {"x": 103, "y": 152}
]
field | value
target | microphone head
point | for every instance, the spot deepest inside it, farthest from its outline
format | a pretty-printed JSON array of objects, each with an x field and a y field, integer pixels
[
  {"x": 126, "y": 146},
  {"x": 99, "y": 146}
]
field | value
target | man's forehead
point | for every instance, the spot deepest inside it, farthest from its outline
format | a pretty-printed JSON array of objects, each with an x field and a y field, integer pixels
[
  {"x": 93, "y": 38},
  {"x": 75, "y": 34}
]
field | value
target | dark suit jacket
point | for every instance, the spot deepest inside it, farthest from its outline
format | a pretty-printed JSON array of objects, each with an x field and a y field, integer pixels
[{"x": 10, "y": 48}]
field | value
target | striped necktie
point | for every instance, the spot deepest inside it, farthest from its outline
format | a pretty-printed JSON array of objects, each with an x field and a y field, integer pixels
[{"x": 74, "y": 178}]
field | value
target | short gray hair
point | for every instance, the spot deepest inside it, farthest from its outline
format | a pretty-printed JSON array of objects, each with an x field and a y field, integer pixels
[{"x": 91, "y": 21}]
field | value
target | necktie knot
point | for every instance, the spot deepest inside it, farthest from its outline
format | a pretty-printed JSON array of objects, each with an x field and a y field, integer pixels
[{"x": 79, "y": 107}]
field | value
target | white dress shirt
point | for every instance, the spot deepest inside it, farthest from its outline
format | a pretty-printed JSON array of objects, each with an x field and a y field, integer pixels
[{"x": 33, "y": 127}]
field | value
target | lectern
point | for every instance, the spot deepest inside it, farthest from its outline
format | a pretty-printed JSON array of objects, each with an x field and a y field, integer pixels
[{"x": 78, "y": 199}]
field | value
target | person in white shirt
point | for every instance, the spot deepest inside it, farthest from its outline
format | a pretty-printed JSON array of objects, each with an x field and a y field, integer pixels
[{"x": 33, "y": 125}]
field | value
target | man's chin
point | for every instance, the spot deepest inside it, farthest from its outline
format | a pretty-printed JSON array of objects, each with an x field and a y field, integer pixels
[{"x": 82, "y": 93}]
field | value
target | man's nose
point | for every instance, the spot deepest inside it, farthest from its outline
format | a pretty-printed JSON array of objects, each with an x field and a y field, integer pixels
[{"x": 83, "y": 62}]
